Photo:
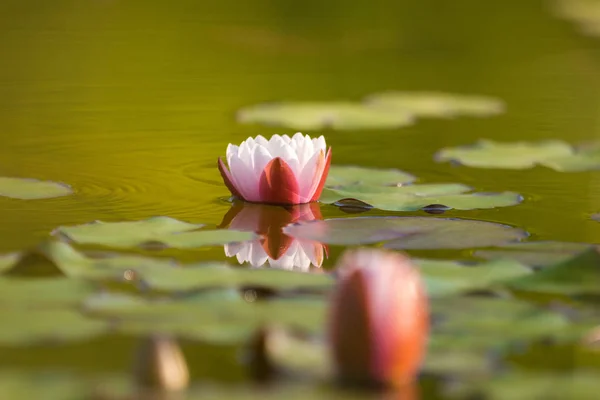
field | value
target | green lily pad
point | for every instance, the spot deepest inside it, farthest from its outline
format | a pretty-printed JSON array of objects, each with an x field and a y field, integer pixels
[
  {"x": 584, "y": 13},
  {"x": 490, "y": 323},
  {"x": 156, "y": 230},
  {"x": 76, "y": 264},
  {"x": 42, "y": 292},
  {"x": 579, "y": 275},
  {"x": 206, "y": 317},
  {"x": 26, "y": 327},
  {"x": 535, "y": 254},
  {"x": 320, "y": 115},
  {"x": 437, "y": 104},
  {"x": 579, "y": 384},
  {"x": 345, "y": 175},
  {"x": 554, "y": 154},
  {"x": 407, "y": 232},
  {"x": 7, "y": 261},
  {"x": 443, "y": 278},
  {"x": 167, "y": 275},
  {"x": 468, "y": 330},
  {"x": 517, "y": 155},
  {"x": 415, "y": 197},
  {"x": 21, "y": 385},
  {"x": 32, "y": 189},
  {"x": 218, "y": 275}
]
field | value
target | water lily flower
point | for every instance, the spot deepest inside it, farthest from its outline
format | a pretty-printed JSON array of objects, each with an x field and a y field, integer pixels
[
  {"x": 379, "y": 320},
  {"x": 281, "y": 170},
  {"x": 274, "y": 247}
]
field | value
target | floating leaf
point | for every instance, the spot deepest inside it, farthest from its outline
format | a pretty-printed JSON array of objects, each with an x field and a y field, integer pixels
[
  {"x": 319, "y": 115},
  {"x": 32, "y": 326},
  {"x": 517, "y": 155},
  {"x": 535, "y": 254},
  {"x": 554, "y": 154},
  {"x": 579, "y": 275},
  {"x": 408, "y": 232},
  {"x": 415, "y": 197},
  {"x": 437, "y": 104},
  {"x": 479, "y": 323},
  {"x": 32, "y": 189},
  {"x": 584, "y": 13},
  {"x": 7, "y": 261},
  {"x": 162, "y": 230},
  {"x": 165, "y": 274},
  {"x": 207, "y": 318},
  {"x": 468, "y": 330},
  {"x": 214, "y": 275},
  {"x": 578, "y": 384},
  {"x": 21, "y": 385},
  {"x": 344, "y": 175},
  {"x": 443, "y": 278},
  {"x": 42, "y": 292}
]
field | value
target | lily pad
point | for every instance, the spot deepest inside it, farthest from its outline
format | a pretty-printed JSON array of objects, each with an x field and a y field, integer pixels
[
  {"x": 8, "y": 260},
  {"x": 167, "y": 275},
  {"x": 437, "y": 104},
  {"x": 443, "y": 278},
  {"x": 554, "y": 154},
  {"x": 468, "y": 331},
  {"x": 407, "y": 232},
  {"x": 32, "y": 189},
  {"x": 416, "y": 197},
  {"x": 517, "y": 155},
  {"x": 584, "y": 13},
  {"x": 42, "y": 292},
  {"x": 480, "y": 323},
  {"x": 156, "y": 230},
  {"x": 206, "y": 317},
  {"x": 579, "y": 384},
  {"x": 21, "y": 385},
  {"x": 577, "y": 276},
  {"x": 535, "y": 254},
  {"x": 33, "y": 326},
  {"x": 345, "y": 175},
  {"x": 320, "y": 115}
]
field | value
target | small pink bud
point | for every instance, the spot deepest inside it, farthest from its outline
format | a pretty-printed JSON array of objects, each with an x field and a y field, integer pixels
[{"x": 379, "y": 318}]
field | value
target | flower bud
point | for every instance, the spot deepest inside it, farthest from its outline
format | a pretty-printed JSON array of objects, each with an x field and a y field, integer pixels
[{"x": 379, "y": 319}]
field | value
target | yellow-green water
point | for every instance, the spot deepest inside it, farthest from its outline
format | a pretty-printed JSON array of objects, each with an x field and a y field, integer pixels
[{"x": 131, "y": 102}]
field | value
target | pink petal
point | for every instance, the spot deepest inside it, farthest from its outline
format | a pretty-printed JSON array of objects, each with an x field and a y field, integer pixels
[
  {"x": 322, "y": 175},
  {"x": 278, "y": 184},
  {"x": 227, "y": 179}
]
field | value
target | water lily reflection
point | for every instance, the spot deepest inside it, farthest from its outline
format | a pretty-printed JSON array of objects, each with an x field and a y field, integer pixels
[{"x": 274, "y": 247}]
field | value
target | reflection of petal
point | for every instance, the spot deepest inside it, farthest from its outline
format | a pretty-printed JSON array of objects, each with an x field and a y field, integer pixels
[
  {"x": 232, "y": 249},
  {"x": 258, "y": 256},
  {"x": 274, "y": 247},
  {"x": 300, "y": 255}
]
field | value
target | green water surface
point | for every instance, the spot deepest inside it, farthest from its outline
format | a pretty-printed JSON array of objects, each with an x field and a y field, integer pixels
[{"x": 131, "y": 102}]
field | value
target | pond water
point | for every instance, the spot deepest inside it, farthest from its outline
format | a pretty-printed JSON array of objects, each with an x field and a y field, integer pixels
[{"x": 131, "y": 103}]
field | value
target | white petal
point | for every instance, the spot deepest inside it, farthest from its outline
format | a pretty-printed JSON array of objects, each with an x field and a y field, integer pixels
[
  {"x": 306, "y": 182},
  {"x": 260, "y": 158},
  {"x": 260, "y": 140},
  {"x": 243, "y": 177},
  {"x": 242, "y": 254},
  {"x": 232, "y": 249},
  {"x": 310, "y": 249},
  {"x": 278, "y": 148},
  {"x": 319, "y": 143},
  {"x": 286, "y": 139},
  {"x": 257, "y": 256},
  {"x": 231, "y": 151}
]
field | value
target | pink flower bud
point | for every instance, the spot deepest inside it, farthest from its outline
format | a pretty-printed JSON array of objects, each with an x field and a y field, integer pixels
[{"x": 379, "y": 318}]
